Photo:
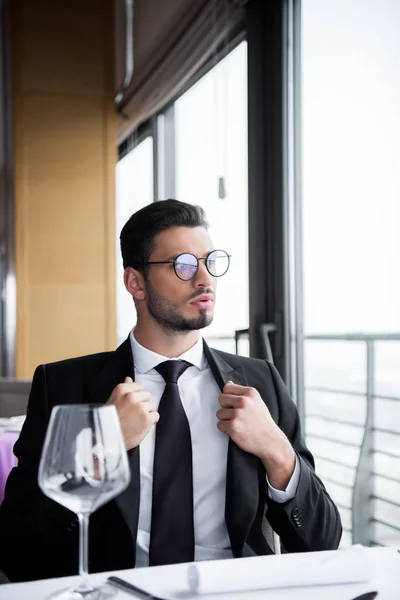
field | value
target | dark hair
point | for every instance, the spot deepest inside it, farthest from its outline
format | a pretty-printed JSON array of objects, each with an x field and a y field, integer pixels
[{"x": 137, "y": 235}]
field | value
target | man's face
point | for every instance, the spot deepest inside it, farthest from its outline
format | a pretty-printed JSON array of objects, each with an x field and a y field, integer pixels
[{"x": 174, "y": 304}]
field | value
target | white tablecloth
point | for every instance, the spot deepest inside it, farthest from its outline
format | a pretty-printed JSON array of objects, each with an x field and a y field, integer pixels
[{"x": 168, "y": 581}]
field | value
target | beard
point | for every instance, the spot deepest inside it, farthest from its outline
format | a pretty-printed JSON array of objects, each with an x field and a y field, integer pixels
[{"x": 167, "y": 314}]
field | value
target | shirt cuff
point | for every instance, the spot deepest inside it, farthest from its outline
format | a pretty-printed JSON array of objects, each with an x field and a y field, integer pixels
[{"x": 291, "y": 489}]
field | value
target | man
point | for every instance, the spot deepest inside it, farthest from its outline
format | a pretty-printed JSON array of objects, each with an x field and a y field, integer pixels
[{"x": 204, "y": 476}]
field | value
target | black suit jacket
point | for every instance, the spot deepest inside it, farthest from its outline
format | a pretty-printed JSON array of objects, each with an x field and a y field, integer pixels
[{"x": 39, "y": 538}]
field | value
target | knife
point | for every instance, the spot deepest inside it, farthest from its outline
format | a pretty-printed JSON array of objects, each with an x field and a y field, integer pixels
[{"x": 132, "y": 589}]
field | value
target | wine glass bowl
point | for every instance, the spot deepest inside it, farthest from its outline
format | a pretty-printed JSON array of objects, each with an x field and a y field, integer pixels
[{"x": 83, "y": 465}]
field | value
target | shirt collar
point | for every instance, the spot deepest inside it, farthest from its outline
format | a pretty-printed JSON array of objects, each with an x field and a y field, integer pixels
[{"x": 145, "y": 359}]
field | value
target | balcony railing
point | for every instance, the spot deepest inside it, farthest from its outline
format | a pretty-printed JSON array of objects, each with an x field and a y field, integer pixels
[{"x": 360, "y": 459}]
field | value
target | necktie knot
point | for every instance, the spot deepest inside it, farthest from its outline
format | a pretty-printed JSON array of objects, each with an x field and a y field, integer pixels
[{"x": 171, "y": 370}]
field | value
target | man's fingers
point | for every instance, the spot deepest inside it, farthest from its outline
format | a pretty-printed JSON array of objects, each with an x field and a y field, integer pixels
[
  {"x": 224, "y": 426},
  {"x": 230, "y": 401},
  {"x": 128, "y": 386},
  {"x": 225, "y": 414},
  {"x": 127, "y": 401},
  {"x": 155, "y": 416},
  {"x": 136, "y": 397},
  {"x": 236, "y": 390},
  {"x": 152, "y": 418}
]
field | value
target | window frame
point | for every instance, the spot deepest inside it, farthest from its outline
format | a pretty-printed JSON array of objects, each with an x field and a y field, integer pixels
[{"x": 267, "y": 30}]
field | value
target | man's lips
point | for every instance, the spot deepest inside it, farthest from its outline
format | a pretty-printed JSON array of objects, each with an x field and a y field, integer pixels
[{"x": 203, "y": 301}]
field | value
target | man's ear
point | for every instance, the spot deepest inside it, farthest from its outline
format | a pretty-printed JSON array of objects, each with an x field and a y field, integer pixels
[{"x": 134, "y": 283}]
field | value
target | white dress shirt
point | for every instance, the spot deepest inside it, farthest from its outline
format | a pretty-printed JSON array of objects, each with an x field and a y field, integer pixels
[{"x": 199, "y": 394}]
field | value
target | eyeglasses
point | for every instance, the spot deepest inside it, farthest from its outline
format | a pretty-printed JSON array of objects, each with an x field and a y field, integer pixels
[{"x": 186, "y": 265}]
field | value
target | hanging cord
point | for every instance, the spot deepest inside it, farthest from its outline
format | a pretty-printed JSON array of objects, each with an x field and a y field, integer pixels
[
  {"x": 221, "y": 85},
  {"x": 129, "y": 57},
  {"x": 225, "y": 107}
]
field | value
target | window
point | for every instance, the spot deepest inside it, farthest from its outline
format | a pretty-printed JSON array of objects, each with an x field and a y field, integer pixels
[
  {"x": 201, "y": 148},
  {"x": 134, "y": 189},
  {"x": 211, "y": 142},
  {"x": 351, "y": 212}
]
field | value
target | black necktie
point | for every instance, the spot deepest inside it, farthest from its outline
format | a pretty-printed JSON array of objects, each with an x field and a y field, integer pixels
[{"x": 172, "y": 529}]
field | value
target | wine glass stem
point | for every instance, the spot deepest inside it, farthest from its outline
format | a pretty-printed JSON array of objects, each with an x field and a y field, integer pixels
[{"x": 83, "y": 547}]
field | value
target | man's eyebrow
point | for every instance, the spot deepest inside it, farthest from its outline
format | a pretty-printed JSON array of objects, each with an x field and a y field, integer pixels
[{"x": 172, "y": 257}]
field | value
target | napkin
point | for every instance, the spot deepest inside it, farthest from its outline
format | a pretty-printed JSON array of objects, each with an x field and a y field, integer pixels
[
  {"x": 12, "y": 423},
  {"x": 286, "y": 570}
]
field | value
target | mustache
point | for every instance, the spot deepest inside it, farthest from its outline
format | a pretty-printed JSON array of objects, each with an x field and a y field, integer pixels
[{"x": 200, "y": 292}]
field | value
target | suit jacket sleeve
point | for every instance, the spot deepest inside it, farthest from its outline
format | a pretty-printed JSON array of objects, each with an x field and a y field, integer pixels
[
  {"x": 310, "y": 521},
  {"x": 34, "y": 528}
]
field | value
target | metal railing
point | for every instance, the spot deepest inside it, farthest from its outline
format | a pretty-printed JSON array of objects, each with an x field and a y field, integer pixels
[{"x": 375, "y": 515}]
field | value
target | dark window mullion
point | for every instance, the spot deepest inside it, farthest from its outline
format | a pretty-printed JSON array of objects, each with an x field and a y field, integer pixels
[{"x": 267, "y": 62}]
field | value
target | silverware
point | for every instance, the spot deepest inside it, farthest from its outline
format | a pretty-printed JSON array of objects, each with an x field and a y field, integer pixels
[
  {"x": 366, "y": 596},
  {"x": 132, "y": 589}
]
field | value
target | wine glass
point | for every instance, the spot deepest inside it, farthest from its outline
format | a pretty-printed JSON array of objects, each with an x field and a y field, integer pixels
[{"x": 84, "y": 464}]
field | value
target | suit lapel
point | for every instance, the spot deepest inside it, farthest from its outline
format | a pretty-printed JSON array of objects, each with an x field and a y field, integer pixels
[
  {"x": 114, "y": 372},
  {"x": 242, "y": 475}
]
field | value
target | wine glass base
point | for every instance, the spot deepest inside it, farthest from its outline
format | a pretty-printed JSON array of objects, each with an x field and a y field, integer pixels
[{"x": 102, "y": 592}]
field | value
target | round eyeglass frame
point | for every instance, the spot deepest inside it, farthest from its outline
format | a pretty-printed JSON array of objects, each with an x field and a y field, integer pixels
[{"x": 205, "y": 258}]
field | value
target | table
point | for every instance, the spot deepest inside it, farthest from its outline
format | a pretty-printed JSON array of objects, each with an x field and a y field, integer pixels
[
  {"x": 163, "y": 581},
  {"x": 7, "y": 458}
]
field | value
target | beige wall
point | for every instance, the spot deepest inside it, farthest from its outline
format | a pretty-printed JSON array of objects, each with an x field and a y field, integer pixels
[{"x": 64, "y": 179}]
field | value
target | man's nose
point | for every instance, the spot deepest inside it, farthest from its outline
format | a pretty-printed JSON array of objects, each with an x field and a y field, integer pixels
[{"x": 203, "y": 277}]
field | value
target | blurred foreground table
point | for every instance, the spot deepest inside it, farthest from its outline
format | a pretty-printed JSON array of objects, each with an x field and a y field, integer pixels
[
  {"x": 7, "y": 458},
  {"x": 169, "y": 581}
]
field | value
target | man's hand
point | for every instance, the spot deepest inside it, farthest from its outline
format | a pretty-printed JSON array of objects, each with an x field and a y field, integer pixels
[
  {"x": 246, "y": 419},
  {"x": 136, "y": 413}
]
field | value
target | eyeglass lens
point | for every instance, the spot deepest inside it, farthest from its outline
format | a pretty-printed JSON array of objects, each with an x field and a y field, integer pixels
[{"x": 186, "y": 265}]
